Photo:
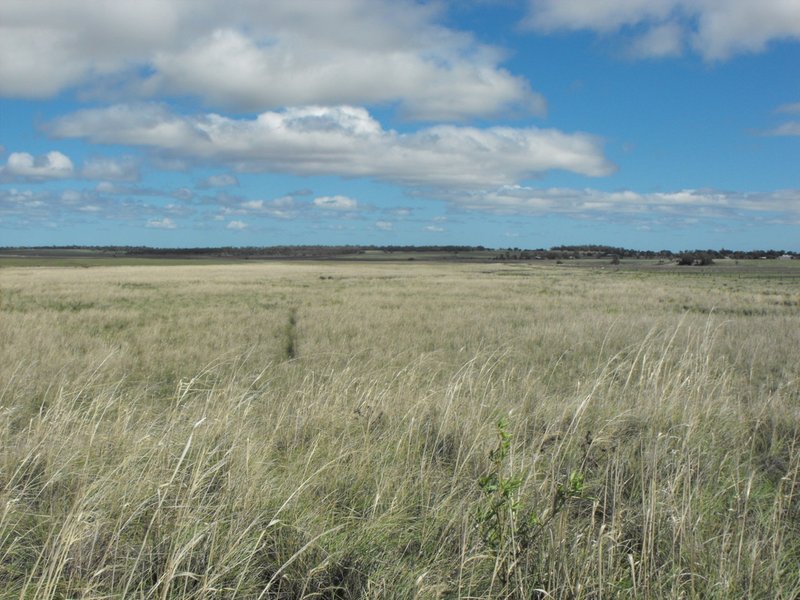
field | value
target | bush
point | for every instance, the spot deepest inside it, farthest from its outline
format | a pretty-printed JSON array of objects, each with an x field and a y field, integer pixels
[{"x": 695, "y": 258}]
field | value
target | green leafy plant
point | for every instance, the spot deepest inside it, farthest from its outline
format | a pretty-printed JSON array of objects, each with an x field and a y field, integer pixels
[
  {"x": 497, "y": 517},
  {"x": 507, "y": 527}
]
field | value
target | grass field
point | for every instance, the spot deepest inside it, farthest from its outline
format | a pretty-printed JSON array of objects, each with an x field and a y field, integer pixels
[{"x": 399, "y": 430}]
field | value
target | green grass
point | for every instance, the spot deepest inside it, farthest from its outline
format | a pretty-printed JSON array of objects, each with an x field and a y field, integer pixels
[{"x": 329, "y": 430}]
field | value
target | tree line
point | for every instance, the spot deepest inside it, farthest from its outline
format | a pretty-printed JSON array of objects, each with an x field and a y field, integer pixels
[{"x": 563, "y": 252}]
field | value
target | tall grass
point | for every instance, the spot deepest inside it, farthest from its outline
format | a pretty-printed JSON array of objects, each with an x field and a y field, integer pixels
[{"x": 159, "y": 440}]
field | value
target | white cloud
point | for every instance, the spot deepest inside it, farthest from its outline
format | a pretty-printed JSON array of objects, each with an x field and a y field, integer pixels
[
  {"x": 253, "y": 55},
  {"x": 345, "y": 141},
  {"x": 236, "y": 225},
  {"x": 165, "y": 223},
  {"x": 550, "y": 15},
  {"x": 183, "y": 194},
  {"x": 662, "y": 209},
  {"x": 124, "y": 168},
  {"x": 52, "y": 44},
  {"x": 217, "y": 181},
  {"x": 75, "y": 205},
  {"x": 137, "y": 125},
  {"x": 336, "y": 203},
  {"x": 660, "y": 41},
  {"x": 21, "y": 198},
  {"x": 25, "y": 205},
  {"x": 718, "y": 29},
  {"x": 793, "y": 108},
  {"x": 789, "y": 128},
  {"x": 228, "y": 67},
  {"x": 21, "y": 165},
  {"x": 56, "y": 165},
  {"x": 596, "y": 204},
  {"x": 283, "y": 207},
  {"x": 71, "y": 196},
  {"x": 179, "y": 210},
  {"x": 254, "y": 205},
  {"x": 109, "y": 188}
]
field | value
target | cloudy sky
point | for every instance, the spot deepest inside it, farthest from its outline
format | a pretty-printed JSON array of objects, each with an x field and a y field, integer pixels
[{"x": 642, "y": 123}]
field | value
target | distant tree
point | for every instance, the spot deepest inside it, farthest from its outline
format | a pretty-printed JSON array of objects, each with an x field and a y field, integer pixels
[{"x": 695, "y": 258}]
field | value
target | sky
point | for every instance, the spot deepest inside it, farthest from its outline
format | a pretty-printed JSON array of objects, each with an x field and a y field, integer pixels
[{"x": 648, "y": 124}]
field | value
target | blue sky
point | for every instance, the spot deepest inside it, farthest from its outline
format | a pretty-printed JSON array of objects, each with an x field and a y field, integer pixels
[{"x": 640, "y": 123}]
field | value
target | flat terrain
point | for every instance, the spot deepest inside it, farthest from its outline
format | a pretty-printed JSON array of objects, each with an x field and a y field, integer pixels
[{"x": 401, "y": 429}]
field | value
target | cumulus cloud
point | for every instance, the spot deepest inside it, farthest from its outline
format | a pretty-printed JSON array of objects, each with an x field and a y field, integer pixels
[
  {"x": 345, "y": 141},
  {"x": 16, "y": 202},
  {"x": 551, "y": 15},
  {"x": 660, "y": 41},
  {"x": 183, "y": 194},
  {"x": 335, "y": 203},
  {"x": 786, "y": 129},
  {"x": 228, "y": 67},
  {"x": 137, "y": 125},
  {"x": 596, "y": 204},
  {"x": 21, "y": 165},
  {"x": 108, "y": 188},
  {"x": 75, "y": 205},
  {"x": 283, "y": 207},
  {"x": 165, "y": 223},
  {"x": 252, "y": 55},
  {"x": 674, "y": 208},
  {"x": 717, "y": 29},
  {"x": 789, "y": 128},
  {"x": 218, "y": 181},
  {"x": 125, "y": 168},
  {"x": 236, "y": 225},
  {"x": 49, "y": 45}
]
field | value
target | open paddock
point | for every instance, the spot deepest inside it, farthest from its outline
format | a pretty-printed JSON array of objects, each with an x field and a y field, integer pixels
[{"x": 399, "y": 430}]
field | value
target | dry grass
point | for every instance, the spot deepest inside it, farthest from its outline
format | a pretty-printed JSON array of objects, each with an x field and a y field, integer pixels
[{"x": 320, "y": 431}]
